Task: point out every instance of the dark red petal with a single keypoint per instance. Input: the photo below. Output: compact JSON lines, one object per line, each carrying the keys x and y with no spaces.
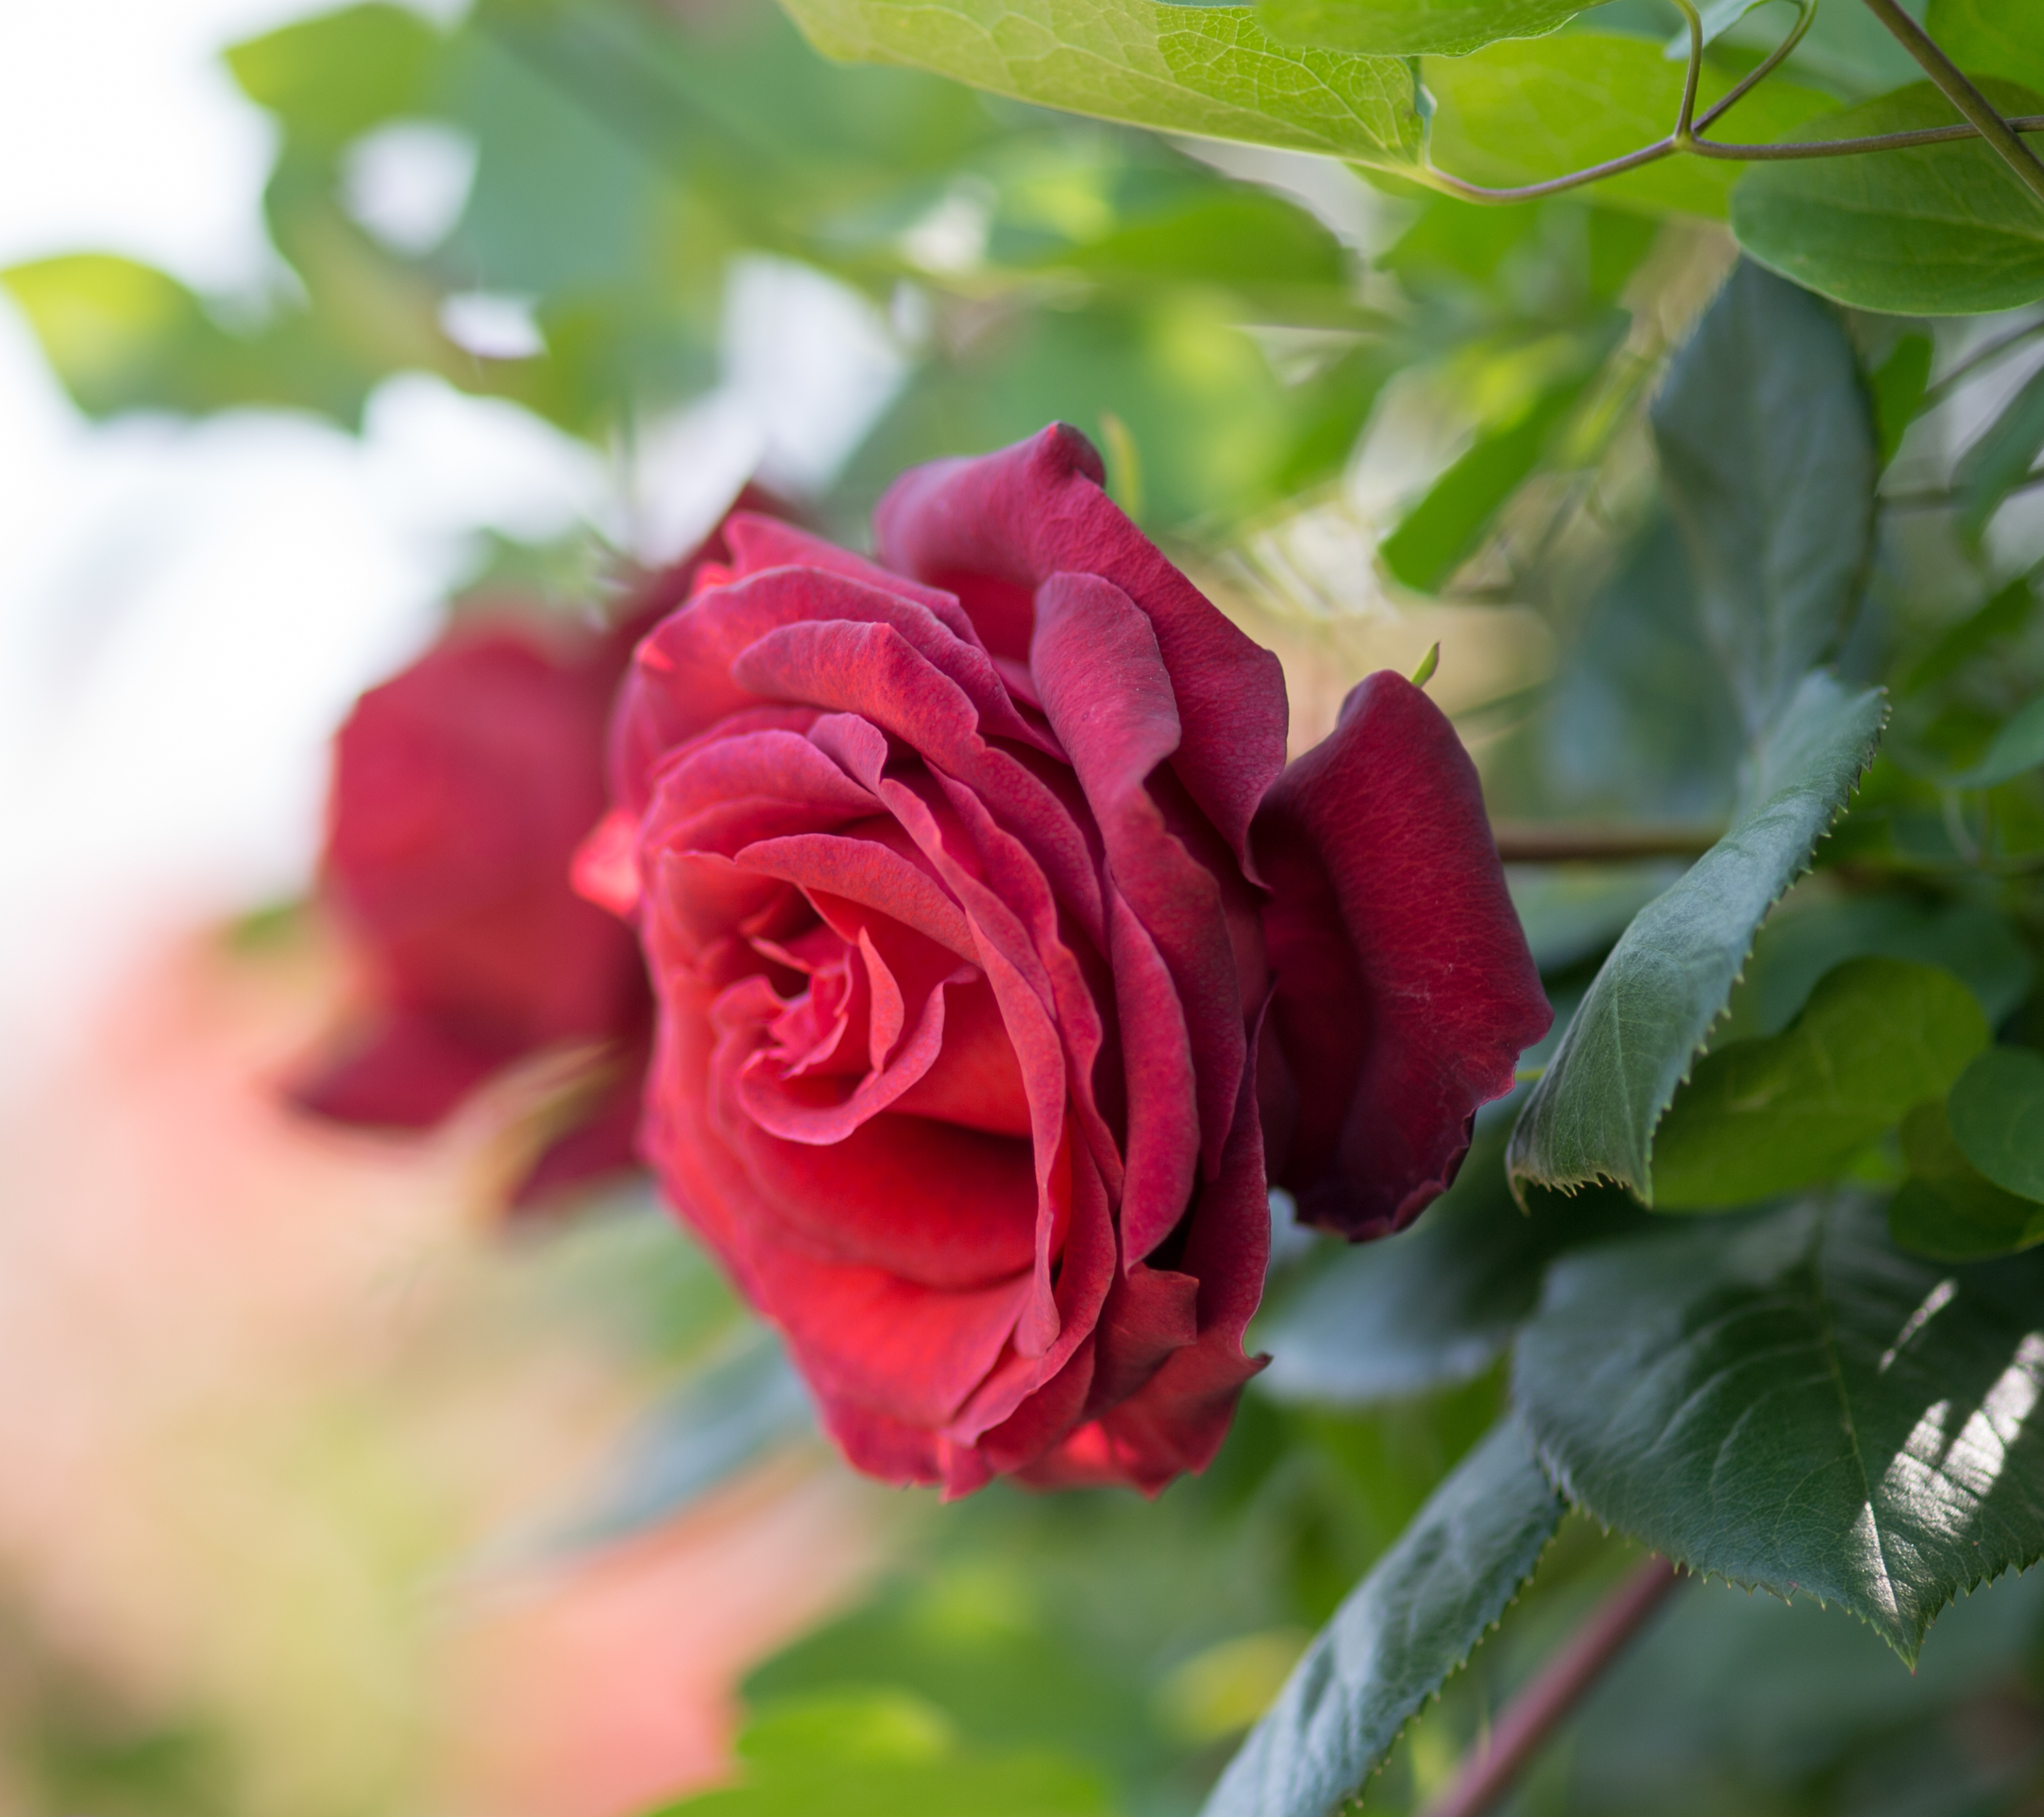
{"x":994,"y":528}
{"x":1404,"y":991}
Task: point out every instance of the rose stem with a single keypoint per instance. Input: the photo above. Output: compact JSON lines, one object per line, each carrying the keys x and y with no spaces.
{"x":1532,"y":1717}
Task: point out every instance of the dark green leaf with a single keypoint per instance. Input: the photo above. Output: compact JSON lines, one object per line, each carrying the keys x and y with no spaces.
{"x":1997,"y":1116}
{"x":1768,"y":458}
{"x":1594,"y":1113}
{"x":1999,"y":458}
{"x":1211,"y":69}
{"x":1937,"y":230}
{"x":1434,"y":1304}
{"x":2018,"y":747}
{"x":2004,"y":614}
{"x":1991,"y":37}
{"x":1523,"y":113}
{"x":1947,"y":1208}
{"x":1405,"y":27}
{"x":1899,"y":383}
{"x":1767,"y":1116}
{"x":333,"y":78}
{"x":1402,"y":1631}
{"x":1790,"y":1403}
{"x":1805,"y":940}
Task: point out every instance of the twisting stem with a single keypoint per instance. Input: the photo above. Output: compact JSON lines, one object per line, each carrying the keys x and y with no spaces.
{"x":1976,"y":106}
{"x":1538,"y":1711}
{"x":1805,"y":10}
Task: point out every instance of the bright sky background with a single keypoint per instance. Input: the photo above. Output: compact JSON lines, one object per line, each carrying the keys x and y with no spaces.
{"x":187,"y":609}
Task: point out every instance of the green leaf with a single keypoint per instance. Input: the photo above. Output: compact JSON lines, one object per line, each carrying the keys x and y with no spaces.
{"x":1790,"y":1404}
{"x":1947,"y":1209}
{"x":1991,"y":37}
{"x":1522,"y":113}
{"x":1999,"y":459}
{"x":1435,"y":1304}
{"x":1443,"y":529}
{"x":1899,"y":384}
{"x":1592,"y":1115}
{"x":1997,"y":1116}
{"x":2004,"y":614}
{"x":1210,"y":70}
{"x":1768,"y":458}
{"x":1763,"y":1117}
{"x":1405,"y":27}
{"x":1936,"y":230}
{"x":333,"y":78}
{"x":1804,"y":941}
{"x":2018,"y":747}
{"x":1402,"y":1632}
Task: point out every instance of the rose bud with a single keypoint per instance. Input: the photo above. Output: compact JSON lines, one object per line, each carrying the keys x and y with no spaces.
{"x":461,"y":789}
{"x":969,"y":901}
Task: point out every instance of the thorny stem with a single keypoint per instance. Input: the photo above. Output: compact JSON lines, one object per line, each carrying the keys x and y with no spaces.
{"x":1689,"y":126}
{"x":1538,"y":1711}
{"x":2007,"y":144}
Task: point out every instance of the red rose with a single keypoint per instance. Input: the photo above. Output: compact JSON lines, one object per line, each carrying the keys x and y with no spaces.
{"x":461,"y":789}
{"x":950,"y":893}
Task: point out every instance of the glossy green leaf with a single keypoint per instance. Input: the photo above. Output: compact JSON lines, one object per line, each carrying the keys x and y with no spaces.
{"x":1790,"y":1403}
{"x":1997,"y":1117}
{"x":1435,"y":1304}
{"x":334,"y":77}
{"x":1768,"y":458}
{"x":1805,"y":940}
{"x":1947,"y":1209}
{"x":2018,"y":747}
{"x":1898,"y":383}
{"x":1405,"y":27}
{"x":1936,"y":230}
{"x":1999,"y":458}
{"x":1402,"y":1631}
{"x":1522,"y":113}
{"x":1592,"y":1115}
{"x":1764,"y":1117}
{"x":1211,"y":69}
{"x":1991,"y":37}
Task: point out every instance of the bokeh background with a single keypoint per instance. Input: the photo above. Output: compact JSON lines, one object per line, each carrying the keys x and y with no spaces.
{"x":324,"y":1487}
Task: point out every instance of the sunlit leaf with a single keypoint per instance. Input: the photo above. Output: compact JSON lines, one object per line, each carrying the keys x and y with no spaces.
{"x":1402,"y":28}
{"x":1402,"y":1631}
{"x":1767,"y":1116}
{"x":1997,"y":1118}
{"x":1935,"y":230}
{"x":333,"y":77}
{"x":1947,"y":1209}
{"x":1790,"y":1403}
{"x":1991,"y":37}
{"x":1593,"y":1114}
{"x":1767,"y":456}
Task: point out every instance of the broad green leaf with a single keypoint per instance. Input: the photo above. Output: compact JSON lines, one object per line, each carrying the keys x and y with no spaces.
{"x":1768,"y":460}
{"x":1998,"y":459}
{"x":2018,"y":747}
{"x":1937,"y":230}
{"x":1405,"y":28}
{"x":1443,"y":529}
{"x":1402,"y":1631}
{"x":1435,"y":1304}
{"x":333,"y":78}
{"x":1768,"y":1117}
{"x":1997,"y":1117}
{"x":1991,"y":37}
{"x":1522,"y":113}
{"x":1803,"y":941}
{"x":1592,"y":1115}
{"x":2002,"y":615}
{"x":1898,"y":383}
{"x":1791,"y":1404}
{"x":1209,"y":70}
{"x":1949,"y":1210}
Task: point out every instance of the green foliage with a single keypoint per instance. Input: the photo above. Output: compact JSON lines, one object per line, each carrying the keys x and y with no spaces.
{"x":1405,"y":27}
{"x":1999,"y":460}
{"x":1593,"y":1114}
{"x":2002,"y":615}
{"x":2018,"y":746}
{"x":335,"y":76}
{"x":1947,"y":1209}
{"x":1934,"y":230}
{"x":1766,"y":1116}
{"x":1409,"y":1625}
{"x":1767,"y":454}
{"x":1990,"y":37}
{"x":1997,"y":1118}
{"x":1789,"y":1403}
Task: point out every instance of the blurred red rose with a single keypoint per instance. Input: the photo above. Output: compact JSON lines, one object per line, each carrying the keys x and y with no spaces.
{"x":947,"y":878}
{"x":462,"y":788}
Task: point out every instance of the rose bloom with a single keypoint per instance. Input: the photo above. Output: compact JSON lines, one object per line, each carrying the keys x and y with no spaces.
{"x":461,"y":789}
{"x":1001,"y":964}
